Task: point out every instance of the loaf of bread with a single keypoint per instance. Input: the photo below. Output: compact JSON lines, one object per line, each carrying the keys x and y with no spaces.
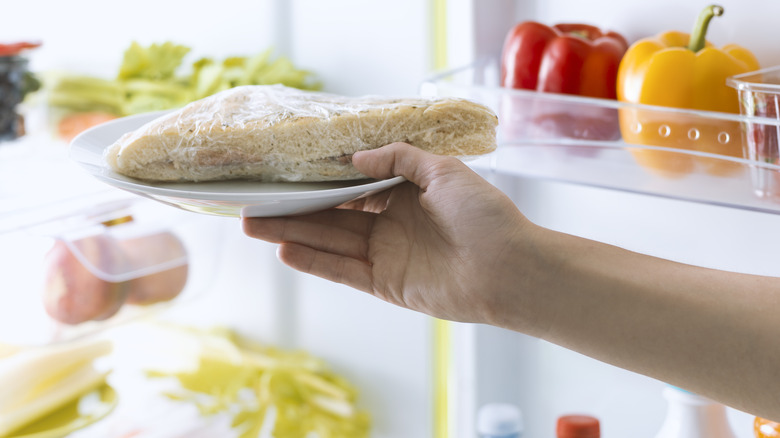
{"x":276,"y":133}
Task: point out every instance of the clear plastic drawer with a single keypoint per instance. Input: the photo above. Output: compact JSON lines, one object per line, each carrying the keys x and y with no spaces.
{"x":708,"y":157}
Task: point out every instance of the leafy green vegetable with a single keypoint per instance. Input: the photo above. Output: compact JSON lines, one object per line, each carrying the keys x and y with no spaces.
{"x":148,"y":80}
{"x":156,"y":62}
{"x":206,"y":77}
{"x":85,"y":93}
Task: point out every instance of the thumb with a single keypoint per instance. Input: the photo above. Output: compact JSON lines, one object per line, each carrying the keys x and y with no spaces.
{"x":397,"y":159}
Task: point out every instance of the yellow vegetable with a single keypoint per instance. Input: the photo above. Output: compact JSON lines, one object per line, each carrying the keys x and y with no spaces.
{"x":678,"y":70}
{"x":37,"y":381}
{"x":292,"y":392}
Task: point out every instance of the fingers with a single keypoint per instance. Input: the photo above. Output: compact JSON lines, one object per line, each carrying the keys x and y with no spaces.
{"x":399,"y":159}
{"x":343,"y":232}
{"x":352,"y":272}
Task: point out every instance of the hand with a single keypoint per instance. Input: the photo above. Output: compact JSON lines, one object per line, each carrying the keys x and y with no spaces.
{"x":439,"y":243}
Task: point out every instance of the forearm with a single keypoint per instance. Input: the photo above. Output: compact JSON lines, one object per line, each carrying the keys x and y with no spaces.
{"x":712,"y":332}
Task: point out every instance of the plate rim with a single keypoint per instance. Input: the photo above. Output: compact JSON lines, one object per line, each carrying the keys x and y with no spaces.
{"x":206,"y":195}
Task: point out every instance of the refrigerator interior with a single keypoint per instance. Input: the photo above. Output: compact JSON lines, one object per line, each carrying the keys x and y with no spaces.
{"x":384,"y":351}
{"x":545,"y":380}
{"x":372,"y":47}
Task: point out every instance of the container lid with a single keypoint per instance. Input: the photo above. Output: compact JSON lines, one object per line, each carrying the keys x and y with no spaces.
{"x":578,"y":426}
{"x":499,"y":419}
{"x":766,"y":80}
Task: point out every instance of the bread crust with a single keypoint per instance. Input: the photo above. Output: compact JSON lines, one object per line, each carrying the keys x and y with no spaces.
{"x":276,"y":133}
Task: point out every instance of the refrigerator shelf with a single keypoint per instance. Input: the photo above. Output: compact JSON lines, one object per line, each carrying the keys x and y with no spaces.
{"x":706,"y":157}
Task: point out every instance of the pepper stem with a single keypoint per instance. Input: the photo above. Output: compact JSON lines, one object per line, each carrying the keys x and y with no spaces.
{"x":699,"y":34}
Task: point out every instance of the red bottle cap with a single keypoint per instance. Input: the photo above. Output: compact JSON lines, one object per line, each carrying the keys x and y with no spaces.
{"x":578,"y":426}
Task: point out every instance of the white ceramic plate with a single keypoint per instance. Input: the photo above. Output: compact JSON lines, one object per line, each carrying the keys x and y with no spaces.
{"x":223,"y":198}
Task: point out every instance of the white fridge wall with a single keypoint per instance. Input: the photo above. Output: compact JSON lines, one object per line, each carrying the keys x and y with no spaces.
{"x":90,"y":36}
{"x":364,"y":47}
{"x":746,"y":22}
{"x":357,"y":47}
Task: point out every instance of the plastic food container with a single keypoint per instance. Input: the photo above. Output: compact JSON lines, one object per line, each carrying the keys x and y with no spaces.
{"x":78,"y":256}
{"x":759,"y":98}
{"x":697,"y":156}
{"x":98,"y":266}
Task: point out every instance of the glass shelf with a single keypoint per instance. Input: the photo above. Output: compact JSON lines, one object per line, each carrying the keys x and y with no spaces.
{"x":698,"y":156}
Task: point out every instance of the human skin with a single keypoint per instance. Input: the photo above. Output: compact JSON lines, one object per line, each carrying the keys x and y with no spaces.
{"x":449,"y":244}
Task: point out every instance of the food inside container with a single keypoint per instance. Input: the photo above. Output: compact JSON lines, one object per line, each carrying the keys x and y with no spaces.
{"x":678,"y":153}
{"x":563,"y":59}
{"x":711,"y":137}
{"x":759,"y":94}
{"x":54,"y":390}
{"x":79,"y":273}
{"x":544,"y":116}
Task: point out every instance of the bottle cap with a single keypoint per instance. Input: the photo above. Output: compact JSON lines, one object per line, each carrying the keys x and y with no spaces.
{"x":578,"y":426}
{"x":499,"y":419}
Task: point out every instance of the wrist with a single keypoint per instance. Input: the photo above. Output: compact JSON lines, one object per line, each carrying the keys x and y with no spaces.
{"x":523,"y":284}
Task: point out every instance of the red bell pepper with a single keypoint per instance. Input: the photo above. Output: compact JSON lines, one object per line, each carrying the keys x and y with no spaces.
{"x":566,"y":58}
{"x":577,"y":59}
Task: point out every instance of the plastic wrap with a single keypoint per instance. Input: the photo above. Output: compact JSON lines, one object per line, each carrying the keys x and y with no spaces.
{"x":276,"y":133}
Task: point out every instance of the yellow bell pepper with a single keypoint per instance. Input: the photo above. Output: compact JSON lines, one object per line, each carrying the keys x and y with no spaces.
{"x":678,"y":70}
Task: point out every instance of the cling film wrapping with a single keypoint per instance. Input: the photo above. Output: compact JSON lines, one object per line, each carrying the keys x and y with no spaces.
{"x":277,"y":133}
